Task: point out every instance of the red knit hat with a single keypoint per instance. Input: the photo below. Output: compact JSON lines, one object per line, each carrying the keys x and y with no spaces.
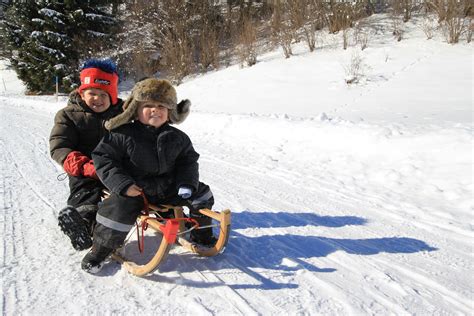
{"x":96,"y":78}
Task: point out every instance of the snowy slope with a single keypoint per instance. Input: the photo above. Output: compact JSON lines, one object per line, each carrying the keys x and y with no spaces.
{"x":346,"y":199}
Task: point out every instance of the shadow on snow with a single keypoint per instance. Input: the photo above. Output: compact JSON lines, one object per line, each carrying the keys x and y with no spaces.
{"x":285,"y":253}
{"x":286,"y":219}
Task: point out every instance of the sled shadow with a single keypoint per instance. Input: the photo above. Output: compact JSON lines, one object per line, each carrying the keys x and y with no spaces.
{"x":285,"y":253}
{"x":286,"y":219}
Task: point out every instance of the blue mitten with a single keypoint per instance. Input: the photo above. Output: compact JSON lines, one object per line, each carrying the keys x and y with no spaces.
{"x":185,"y":192}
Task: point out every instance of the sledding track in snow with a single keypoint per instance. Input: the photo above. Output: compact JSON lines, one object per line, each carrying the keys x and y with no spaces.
{"x":308,"y":237}
{"x":28,"y":214}
{"x":383,"y":277}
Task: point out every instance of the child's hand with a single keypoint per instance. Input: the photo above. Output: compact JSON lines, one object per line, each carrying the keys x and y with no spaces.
{"x":133,"y":190}
{"x":185,"y":192}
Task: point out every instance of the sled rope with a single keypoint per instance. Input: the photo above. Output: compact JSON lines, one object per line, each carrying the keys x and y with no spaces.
{"x":144,"y":225}
{"x":61,"y":176}
{"x":146,"y":205}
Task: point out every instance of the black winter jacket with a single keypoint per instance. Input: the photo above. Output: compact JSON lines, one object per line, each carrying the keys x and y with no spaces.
{"x":78,"y":128}
{"x":159,"y":160}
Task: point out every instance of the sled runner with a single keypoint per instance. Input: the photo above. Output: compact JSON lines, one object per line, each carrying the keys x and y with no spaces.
{"x":173,"y":231}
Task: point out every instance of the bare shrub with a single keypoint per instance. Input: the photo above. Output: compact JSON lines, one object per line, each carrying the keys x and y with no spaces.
{"x":309,"y":35}
{"x":437,"y":6}
{"x":205,"y":26}
{"x":283,"y":33}
{"x":357,"y":32}
{"x":208,"y":49}
{"x":140,"y":40}
{"x":296,"y":15}
{"x":178,"y":55}
{"x":343,"y":14}
{"x":339,"y":16}
{"x":177,"y":42}
{"x":276,"y":22}
{"x":469,"y":31}
{"x":286,"y":37}
{"x":231,"y":32}
{"x":397,"y":27}
{"x":446,"y":9}
{"x":453,"y":27}
{"x":454,"y":17}
{"x":356,"y":68}
{"x":428,"y":26}
{"x":362,"y":36}
{"x":313,"y":21}
{"x":247,"y":48}
{"x":345,"y":38}
{"x":144,"y":64}
{"x":404,"y":8}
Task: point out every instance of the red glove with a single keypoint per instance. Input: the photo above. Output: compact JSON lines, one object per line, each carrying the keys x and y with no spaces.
{"x":88,"y":170}
{"x":77,"y":164}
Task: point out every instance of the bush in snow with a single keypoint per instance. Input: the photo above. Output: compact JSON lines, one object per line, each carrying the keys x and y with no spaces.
{"x":247,"y":49}
{"x":428,"y":26}
{"x":454,"y":16}
{"x":355,"y":69}
{"x":397,"y":27}
{"x":453,"y":27}
{"x":283,"y":33}
{"x":405,"y":8}
{"x":469,"y":31}
{"x":362,"y":35}
{"x":313,"y":21}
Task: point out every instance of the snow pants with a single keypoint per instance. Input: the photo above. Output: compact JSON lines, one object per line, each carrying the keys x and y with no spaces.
{"x":117,"y":214}
{"x":85,"y":194}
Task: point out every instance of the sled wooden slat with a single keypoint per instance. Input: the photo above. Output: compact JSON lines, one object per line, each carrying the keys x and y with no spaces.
{"x":141,"y":270}
{"x":224,"y":224}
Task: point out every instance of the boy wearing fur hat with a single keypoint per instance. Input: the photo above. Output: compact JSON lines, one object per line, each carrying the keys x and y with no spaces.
{"x":144,"y":154}
{"x":77,"y":130}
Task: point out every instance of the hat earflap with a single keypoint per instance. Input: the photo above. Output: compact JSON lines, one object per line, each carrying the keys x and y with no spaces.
{"x":128,"y":114}
{"x":181,"y":112}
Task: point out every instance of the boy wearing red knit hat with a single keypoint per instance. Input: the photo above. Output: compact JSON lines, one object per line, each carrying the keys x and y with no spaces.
{"x":77,"y":130}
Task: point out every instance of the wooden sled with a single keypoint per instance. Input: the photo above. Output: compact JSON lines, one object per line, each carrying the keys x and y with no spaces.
{"x":173,"y":231}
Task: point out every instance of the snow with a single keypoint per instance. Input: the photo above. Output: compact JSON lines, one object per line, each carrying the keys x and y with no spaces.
{"x":39,"y":21}
{"x":101,"y":17}
{"x":51,"y":51}
{"x":346,"y":199}
{"x":50,"y":12}
{"x":53,"y":14}
{"x":10,"y":84}
{"x":97,"y":34}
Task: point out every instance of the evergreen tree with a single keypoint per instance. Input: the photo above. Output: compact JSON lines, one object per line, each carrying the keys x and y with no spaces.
{"x":49,"y":38}
{"x":4,"y":52}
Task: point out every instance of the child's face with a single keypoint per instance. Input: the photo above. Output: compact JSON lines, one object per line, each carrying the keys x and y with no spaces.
{"x":96,"y":99}
{"x":152,"y":113}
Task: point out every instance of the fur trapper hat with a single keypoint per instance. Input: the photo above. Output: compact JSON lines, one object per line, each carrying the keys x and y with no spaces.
{"x":151,"y":89}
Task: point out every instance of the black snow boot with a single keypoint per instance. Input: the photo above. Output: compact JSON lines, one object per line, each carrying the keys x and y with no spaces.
{"x":94,"y":260}
{"x":167,"y":214}
{"x":88,"y":214}
{"x":75,"y":227}
{"x":203,"y":236}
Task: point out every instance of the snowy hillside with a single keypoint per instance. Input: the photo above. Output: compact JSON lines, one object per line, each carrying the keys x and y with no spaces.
{"x":346,"y":200}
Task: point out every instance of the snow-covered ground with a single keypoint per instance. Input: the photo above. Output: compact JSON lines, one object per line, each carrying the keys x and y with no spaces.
{"x":345,"y":199}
